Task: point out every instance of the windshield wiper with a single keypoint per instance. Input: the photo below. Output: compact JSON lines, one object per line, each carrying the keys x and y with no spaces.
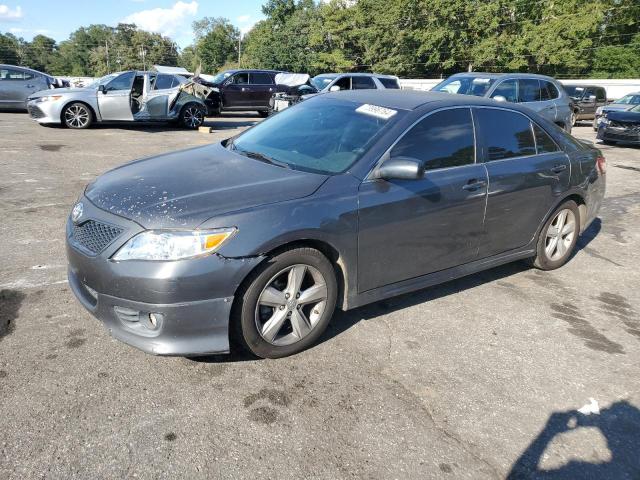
{"x":262,"y":157}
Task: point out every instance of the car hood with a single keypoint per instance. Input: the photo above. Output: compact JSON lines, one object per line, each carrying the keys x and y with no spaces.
{"x":59,"y":91}
{"x":629,"y":117}
{"x":183,"y":189}
{"x":614,"y":107}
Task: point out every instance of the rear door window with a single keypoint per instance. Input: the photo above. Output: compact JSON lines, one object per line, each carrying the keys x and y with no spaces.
{"x":362,"y":83}
{"x":389,"y":82}
{"x":508,"y":89}
{"x":505,"y":134}
{"x":443,"y":139}
{"x":529,"y":90}
{"x":548,"y":90}
{"x":261,"y":78}
{"x":11,"y":74}
{"x":164,"y":82}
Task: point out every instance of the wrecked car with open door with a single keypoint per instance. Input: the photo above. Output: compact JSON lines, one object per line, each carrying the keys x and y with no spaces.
{"x":290,"y":89}
{"x":131,"y":96}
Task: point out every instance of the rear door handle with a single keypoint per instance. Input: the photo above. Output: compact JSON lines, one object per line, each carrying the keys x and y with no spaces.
{"x":474,"y":184}
{"x":559,"y":168}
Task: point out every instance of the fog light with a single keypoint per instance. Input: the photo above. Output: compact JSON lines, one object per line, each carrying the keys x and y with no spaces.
{"x":153,"y":320}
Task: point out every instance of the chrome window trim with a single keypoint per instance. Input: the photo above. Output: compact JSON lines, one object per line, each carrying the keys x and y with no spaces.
{"x":386,"y":155}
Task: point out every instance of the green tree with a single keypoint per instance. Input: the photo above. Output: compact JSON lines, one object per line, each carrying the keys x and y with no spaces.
{"x":216,"y":43}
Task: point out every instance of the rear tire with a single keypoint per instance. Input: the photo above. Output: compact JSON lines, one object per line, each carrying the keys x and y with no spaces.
{"x":574,"y":119}
{"x":192,"y":116}
{"x":77,"y":116}
{"x":286,"y":303}
{"x":558,"y":237}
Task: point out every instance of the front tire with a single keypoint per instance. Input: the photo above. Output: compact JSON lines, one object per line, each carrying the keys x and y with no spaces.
{"x":574,"y":119}
{"x":192,"y":116}
{"x":77,"y":115}
{"x":263,"y":113}
{"x":558,"y":237}
{"x":286,"y":304}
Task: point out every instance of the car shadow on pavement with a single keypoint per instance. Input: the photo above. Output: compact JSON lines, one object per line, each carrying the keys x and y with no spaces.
{"x":619,"y":424}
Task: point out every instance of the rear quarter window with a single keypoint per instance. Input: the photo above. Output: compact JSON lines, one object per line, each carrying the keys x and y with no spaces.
{"x":389,"y":82}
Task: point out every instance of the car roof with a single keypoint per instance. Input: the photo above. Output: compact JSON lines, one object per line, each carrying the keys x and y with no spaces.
{"x":239,"y":70}
{"x":581,"y":85}
{"x":356,"y":74}
{"x":502,"y":75}
{"x":412,"y":99}
{"x":25,"y":68}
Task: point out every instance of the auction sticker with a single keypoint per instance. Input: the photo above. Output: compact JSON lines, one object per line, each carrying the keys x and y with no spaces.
{"x":376,"y":111}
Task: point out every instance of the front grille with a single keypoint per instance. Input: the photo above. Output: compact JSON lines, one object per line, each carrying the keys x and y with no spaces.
{"x":35,"y":112}
{"x":95,"y":236}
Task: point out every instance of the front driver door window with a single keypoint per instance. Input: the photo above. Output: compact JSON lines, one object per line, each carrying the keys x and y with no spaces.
{"x":114,"y":102}
{"x":410,"y":228}
{"x":507,"y":89}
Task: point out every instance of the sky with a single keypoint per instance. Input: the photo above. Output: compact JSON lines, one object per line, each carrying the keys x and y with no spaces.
{"x":173,"y":18}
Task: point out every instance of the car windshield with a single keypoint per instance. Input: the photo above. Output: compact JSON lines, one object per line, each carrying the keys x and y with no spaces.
{"x":103,"y":80}
{"x":574,"y":91}
{"x":319,"y":135}
{"x":221,"y":77}
{"x":631,"y":99}
{"x":321,"y":81}
{"x":466,"y":85}
{"x":635,"y":109}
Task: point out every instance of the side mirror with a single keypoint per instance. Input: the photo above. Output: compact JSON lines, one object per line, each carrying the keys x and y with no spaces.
{"x":102,"y":88}
{"x":500,"y":98}
{"x":592,"y":98}
{"x":404,"y":168}
{"x":334,"y":88}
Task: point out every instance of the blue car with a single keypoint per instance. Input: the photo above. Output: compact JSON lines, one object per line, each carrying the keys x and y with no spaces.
{"x":339,"y":201}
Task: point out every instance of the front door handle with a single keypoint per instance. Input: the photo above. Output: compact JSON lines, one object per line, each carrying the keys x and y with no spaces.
{"x":30,"y":86}
{"x":559,"y":168}
{"x":474,"y":184}
{"x":243,"y":89}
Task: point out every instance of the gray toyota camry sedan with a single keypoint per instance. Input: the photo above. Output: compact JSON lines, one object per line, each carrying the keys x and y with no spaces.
{"x":342,"y":200}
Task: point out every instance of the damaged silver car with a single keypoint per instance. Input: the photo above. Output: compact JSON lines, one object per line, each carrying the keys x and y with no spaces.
{"x":131,"y":96}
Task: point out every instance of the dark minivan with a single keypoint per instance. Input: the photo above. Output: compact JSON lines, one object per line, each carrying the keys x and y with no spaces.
{"x":341,"y":200}
{"x":241,"y":91}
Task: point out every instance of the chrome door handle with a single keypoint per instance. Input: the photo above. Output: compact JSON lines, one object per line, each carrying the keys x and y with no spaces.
{"x":243,"y":89}
{"x":29,"y":86}
{"x":559,"y":168}
{"x":474,"y":185}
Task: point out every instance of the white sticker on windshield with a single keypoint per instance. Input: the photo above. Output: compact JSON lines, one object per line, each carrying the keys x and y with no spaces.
{"x":376,"y":111}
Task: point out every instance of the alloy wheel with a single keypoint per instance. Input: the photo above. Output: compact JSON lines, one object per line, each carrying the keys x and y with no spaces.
{"x":291,"y":305}
{"x":193,"y":117}
{"x":77,"y":116}
{"x":560,"y":234}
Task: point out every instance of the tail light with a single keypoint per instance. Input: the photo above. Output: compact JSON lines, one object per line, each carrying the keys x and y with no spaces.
{"x":601,"y":163}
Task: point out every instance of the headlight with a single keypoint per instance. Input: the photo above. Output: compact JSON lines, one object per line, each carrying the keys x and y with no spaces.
{"x":215,"y":89}
{"x":599,"y":111}
{"x":173,"y":245}
{"x":48,"y":98}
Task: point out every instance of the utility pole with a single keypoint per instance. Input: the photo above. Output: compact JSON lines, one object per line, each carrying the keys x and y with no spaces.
{"x":143,"y":54}
{"x":239,"y":48}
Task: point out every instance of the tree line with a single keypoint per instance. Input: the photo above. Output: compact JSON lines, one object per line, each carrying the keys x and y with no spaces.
{"x":408,"y":38}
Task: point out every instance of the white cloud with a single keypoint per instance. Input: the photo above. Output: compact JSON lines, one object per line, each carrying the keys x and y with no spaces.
{"x":244,"y":18}
{"x":167,"y":21}
{"x":15,"y":31}
{"x":7,"y":13}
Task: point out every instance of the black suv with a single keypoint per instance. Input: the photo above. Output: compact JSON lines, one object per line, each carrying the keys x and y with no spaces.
{"x":241,"y":90}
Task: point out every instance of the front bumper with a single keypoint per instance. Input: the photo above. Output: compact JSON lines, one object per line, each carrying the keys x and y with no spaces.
{"x":620,"y":135}
{"x":190,"y":299}
{"x":45,"y":112}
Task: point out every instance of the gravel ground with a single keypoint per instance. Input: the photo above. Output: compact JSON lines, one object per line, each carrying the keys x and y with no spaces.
{"x":477,"y":378}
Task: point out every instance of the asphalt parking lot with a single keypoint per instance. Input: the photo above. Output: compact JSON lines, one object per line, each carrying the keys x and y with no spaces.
{"x":477,"y":378}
